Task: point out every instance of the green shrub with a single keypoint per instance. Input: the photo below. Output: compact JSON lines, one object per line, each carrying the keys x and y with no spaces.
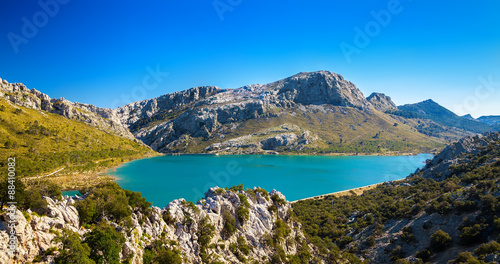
{"x":137,"y":202}
{"x":263,"y":192}
{"x":496,"y":223}
{"x":107,"y":199}
{"x":205,"y":234}
{"x":472,"y":234}
{"x":425,"y":255}
{"x":343,"y":241}
{"x":277,"y":200}
{"x":167,"y":217}
{"x":243,"y":246}
{"x":402,"y":261}
{"x":243,"y":200}
{"x":487,"y":248}
{"x":105,"y":243}
{"x":229,"y":224}
{"x":281,"y":230}
{"x":407,"y":234}
{"x":465,"y":258}
{"x":220,"y":191}
{"x":397,"y":253}
{"x":440,"y":240}
{"x":272,"y":208}
{"x":243,"y":214}
{"x":370,"y":241}
{"x":156,"y":253}
{"x":73,"y":250}
{"x":237,"y":188}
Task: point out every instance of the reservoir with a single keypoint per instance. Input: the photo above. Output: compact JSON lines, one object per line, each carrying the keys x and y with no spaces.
{"x":165,"y":178}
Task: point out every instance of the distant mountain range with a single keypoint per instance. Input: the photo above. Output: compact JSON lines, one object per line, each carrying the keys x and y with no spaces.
{"x":314,"y":112}
{"x":490,"y":120}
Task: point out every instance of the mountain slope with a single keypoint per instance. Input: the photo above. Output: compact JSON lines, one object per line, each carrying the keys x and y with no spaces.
{"x":438,"y":121}
{"x":44,"y":142}
{"x":101,"y":118}
{"x":317,"y":112}
{"x":446,"y":211}
{"x":490,"y":120}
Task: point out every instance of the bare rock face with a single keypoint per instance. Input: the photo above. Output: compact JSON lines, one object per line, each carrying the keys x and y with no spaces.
{"x":36,"y":234}
{"x":168,"y":123}
{"x":278,"y":141}
{"x":198,"y":122}
{"x":439,"y":167}
{"x":381,"y":102}
{"x":318,"y":88}
{"x":133,"y":112}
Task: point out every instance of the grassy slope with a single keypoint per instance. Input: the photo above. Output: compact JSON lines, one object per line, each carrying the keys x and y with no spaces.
{"x":44,"y":142}
{"x":360,"y":132}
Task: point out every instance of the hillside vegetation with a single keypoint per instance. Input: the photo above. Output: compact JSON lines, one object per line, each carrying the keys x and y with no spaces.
{"x":326,"y":128}
{"x":44,"y":142}
{"x":417,"y":219}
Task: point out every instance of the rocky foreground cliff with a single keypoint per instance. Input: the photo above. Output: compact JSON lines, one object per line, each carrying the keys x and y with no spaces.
{"x":225,"y":227}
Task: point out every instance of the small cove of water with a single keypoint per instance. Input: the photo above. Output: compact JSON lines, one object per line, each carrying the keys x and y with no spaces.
{"x":165,"y":178}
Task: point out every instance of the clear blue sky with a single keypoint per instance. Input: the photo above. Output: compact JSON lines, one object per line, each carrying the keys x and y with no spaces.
{"x":97,"y":51}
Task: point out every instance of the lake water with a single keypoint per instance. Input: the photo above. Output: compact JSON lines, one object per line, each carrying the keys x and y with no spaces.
{"x":165,"y":178}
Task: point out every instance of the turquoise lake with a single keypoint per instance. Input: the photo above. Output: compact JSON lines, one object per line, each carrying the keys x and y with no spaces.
{"x":165,"y":178}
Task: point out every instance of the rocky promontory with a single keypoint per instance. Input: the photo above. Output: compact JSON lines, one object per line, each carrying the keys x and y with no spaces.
{"x":234,"y":220}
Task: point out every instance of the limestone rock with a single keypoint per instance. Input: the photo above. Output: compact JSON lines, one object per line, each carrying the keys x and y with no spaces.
{"x":37,"y":233}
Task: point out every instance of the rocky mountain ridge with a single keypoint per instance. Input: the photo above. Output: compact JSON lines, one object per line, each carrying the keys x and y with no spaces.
{"x":325,"y":112}
{"x":490,"y":120}
{"x":101,"y":118}
{"x":212,"y":120}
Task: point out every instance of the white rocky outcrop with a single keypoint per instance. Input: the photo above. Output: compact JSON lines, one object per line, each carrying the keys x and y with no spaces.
{"x":36,"y":234}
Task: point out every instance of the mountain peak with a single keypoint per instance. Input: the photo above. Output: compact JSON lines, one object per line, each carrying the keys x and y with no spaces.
{"x":468,"y":116}
{"x":429,"y":101}
{"x":320,"y":87}
{"x":320,"y":74}
{"x":381,"y":102}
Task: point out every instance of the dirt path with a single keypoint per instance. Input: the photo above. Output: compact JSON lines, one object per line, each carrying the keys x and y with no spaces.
{"x":357,"y":191}
{"x":43,"y":176}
